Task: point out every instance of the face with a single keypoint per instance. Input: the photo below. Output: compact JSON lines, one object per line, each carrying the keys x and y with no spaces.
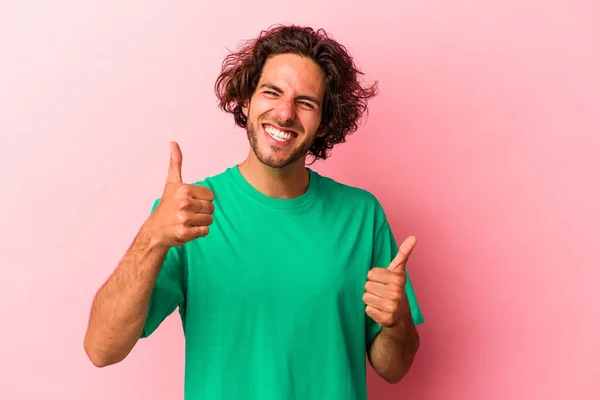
{"x":284,"y":112}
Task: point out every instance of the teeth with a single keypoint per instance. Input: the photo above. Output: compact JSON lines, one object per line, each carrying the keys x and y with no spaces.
{"x":277,"y":134}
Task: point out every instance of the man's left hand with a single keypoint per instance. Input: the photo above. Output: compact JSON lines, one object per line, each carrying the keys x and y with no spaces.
{"x":385,"y":295}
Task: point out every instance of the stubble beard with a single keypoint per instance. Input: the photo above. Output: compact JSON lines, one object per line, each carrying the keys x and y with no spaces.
{"x":298,"y":154}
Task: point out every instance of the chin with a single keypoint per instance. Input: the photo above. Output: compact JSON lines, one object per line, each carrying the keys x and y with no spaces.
{"x":276,"y":162}
{"x":273,"y":156}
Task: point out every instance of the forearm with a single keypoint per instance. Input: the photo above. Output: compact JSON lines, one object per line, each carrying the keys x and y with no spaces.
{"x":120,"y":307}
{"x":394,"y":349}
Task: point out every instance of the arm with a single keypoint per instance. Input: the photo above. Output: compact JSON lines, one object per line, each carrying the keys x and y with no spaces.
{"x":120,"y":307}
{"x":392,"y":353}
{"x":393,"y":350}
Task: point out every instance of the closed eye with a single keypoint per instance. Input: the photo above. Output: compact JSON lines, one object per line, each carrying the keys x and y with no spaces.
{"x":303,"y":104}
{"x":307,"y":105}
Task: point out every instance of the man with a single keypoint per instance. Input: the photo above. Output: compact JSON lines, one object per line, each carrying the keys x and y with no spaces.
{"x":298,"y":275}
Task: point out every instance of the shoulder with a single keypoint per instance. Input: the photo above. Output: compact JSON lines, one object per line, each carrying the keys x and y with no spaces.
{"x":351,"y":195}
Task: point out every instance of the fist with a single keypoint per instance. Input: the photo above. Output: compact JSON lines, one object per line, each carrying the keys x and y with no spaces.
{"x":184,"y":212}
{"x":385,"y":295}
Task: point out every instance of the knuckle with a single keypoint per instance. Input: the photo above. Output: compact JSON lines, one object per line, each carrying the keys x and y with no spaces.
{"x":181,"y":232}
{"x":390,"y":307}
{"x":396,"y":295}
{"x":181,"y":218}
{"x":183,"y":191}
{"x":397,"y":285}
{"x":183,"y":204}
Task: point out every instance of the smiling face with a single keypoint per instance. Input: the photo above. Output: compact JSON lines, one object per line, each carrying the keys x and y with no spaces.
{"x":284,"y":112}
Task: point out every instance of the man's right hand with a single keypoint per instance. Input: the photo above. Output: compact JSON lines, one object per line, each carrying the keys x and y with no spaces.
{"x":184,"y":212}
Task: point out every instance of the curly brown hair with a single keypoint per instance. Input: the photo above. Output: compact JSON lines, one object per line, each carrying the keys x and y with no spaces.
{"x":345,"y":99}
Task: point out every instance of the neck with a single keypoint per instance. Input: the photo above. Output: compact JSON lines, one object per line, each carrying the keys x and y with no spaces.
{"x":283,"y":183}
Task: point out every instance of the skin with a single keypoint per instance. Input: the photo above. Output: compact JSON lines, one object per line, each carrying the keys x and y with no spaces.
{"x":289,"y":96}
{"x":120,"y":307}
{"x":286,"y":83}
{"x":393,"y":350}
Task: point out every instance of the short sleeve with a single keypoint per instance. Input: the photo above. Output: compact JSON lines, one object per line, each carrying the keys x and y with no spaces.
{"x":168,"y":291}
{"x":384,"y":250}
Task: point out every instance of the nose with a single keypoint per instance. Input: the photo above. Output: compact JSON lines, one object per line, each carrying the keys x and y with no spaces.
{"x":286,"y":111}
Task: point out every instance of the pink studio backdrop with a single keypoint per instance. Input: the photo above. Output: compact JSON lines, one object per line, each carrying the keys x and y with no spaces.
{"x":483,"y":143}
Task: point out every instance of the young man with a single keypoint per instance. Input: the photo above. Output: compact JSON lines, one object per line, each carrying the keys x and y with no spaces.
{"x":298,"y":275}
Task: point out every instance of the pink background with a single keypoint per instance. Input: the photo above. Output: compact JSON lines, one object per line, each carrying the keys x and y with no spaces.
{"x":483,"y":143}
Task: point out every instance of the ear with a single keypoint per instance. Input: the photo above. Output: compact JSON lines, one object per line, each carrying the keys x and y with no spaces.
{"x":245,"y":107}
{"x":321,"y":130}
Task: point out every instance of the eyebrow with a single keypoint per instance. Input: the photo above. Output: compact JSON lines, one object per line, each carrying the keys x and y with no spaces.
{"x":300,"y":97}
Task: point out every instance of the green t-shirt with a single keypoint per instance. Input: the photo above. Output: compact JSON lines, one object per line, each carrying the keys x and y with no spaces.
{"x":271,"y":300}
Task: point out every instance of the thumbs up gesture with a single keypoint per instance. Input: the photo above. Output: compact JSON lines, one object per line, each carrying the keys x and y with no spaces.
{"x":184,"y":211}
{"x":385,"y":295}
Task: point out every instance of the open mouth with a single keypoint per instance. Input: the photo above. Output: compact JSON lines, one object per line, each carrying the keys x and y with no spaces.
{"x":279,"y":135}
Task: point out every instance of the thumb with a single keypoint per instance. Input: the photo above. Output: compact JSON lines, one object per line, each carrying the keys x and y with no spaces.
{"x":175,"y":164}
{"x":399,"y":262}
